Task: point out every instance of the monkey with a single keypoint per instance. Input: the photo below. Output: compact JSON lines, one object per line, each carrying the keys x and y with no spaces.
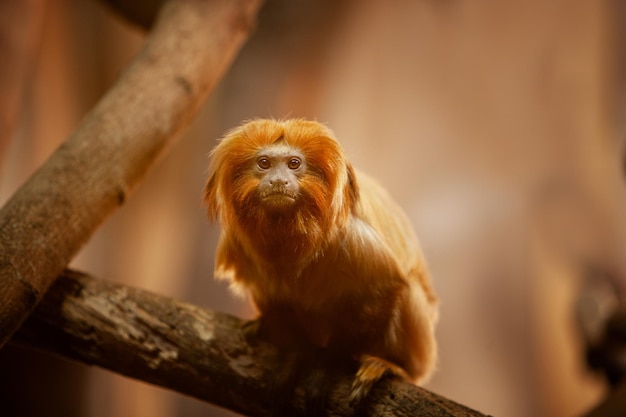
{"x":327,"y":257}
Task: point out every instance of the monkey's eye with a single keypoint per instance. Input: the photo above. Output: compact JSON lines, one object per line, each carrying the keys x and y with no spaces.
{"x":263,"y":162}
{"x":294,"y":163}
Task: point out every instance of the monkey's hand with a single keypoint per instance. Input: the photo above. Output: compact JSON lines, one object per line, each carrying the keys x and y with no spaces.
{"x":371,"y":370}
{"x":276,"y":327}
{"x":251,"y":329}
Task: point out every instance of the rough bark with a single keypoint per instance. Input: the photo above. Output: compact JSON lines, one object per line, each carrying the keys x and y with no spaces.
{"x":48,"y":219}
{"x":191,"y":350}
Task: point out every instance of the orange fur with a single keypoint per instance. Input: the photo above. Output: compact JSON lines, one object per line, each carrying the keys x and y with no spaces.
{"x":339,"y":267}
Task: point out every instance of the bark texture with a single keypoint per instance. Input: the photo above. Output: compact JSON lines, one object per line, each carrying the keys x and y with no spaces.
{"x":49,"y":219}
{"x":191,"y":350}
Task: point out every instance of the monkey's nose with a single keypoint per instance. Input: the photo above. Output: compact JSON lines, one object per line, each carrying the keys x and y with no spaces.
{"x":279,"y":181}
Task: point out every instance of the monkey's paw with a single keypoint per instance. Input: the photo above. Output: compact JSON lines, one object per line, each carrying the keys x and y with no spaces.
{"x":251,"y":329}
{"x":371,"y":371}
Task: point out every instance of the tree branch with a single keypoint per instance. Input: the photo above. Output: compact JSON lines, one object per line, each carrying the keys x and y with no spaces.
{"x":194,"y":351}
{"x":49,"y":218}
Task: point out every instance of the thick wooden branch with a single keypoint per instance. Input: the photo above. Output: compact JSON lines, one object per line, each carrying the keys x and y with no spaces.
{"x":49,"y":218}
{"x":194,"y":351}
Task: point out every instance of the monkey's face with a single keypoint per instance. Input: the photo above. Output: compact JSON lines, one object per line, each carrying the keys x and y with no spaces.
{"x":279,"y":170}
{"x":291,"y":171}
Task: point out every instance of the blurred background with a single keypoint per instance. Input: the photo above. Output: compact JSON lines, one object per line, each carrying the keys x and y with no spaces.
{"x":497,"y":125}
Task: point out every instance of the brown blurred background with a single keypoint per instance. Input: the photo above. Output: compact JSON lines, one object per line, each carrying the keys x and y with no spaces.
{"x":497,"y":125}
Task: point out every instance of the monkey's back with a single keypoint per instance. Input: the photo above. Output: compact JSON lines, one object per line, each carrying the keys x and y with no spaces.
{"x":383,"y":214}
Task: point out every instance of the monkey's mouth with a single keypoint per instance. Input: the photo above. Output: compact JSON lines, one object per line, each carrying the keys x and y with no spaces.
{"x":278,"y":197}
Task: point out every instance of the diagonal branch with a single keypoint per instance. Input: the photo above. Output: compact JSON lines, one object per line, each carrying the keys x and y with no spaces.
{"x":196,"y":352}
{"x":50,"y":217}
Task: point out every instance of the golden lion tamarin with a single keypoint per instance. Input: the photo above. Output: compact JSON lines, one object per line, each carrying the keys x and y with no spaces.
{"x":326,"y":255}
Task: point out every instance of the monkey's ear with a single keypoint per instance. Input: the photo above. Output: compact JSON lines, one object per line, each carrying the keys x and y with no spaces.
{"x":352,"y":187}
{"x":210,"y":197}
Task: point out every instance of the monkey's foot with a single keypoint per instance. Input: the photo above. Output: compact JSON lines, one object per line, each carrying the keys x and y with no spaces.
{"x":371,"y":371}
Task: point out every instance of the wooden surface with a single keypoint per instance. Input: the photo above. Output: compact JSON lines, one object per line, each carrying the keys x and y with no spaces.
{"x":53,"y":215}
{"x":191,"y":350}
